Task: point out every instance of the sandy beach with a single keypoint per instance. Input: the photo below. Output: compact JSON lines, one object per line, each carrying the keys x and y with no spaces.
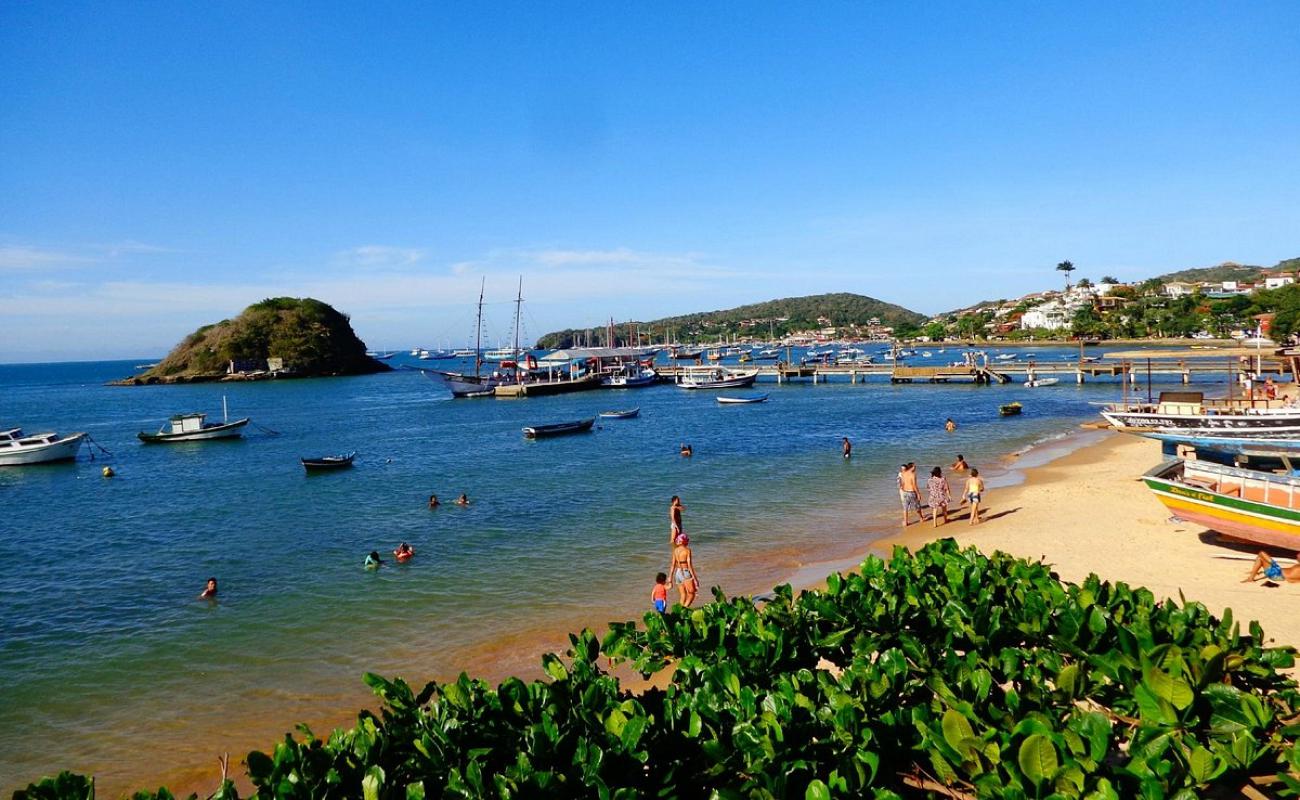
{"x":1090,"y":512}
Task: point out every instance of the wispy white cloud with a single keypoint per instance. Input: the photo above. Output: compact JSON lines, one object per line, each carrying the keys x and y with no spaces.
{"x":373,"y":256}
{"x":28,"y":257}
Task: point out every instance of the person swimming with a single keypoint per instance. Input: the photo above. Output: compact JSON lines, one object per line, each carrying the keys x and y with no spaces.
{"x":210,"y":591}
{"x":463,"y":500}
{"x":404,"y":552}
{"x":433,"y":501}
{"x":949,"y":425}
{"x":687,"y":452}
{"x":373,"y":561}
{"x":959,"y":465}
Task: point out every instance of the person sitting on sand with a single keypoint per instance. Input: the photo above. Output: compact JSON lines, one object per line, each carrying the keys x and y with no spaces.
{"x":686,"y":451}
{"x":404,"y":551}
{"x":959,"y":465}
{"x":659,"y":594}
{"x":210,"y":591}
{"x":683,"y":572}
{"x":908,"y":493}
{"x":373,"y":561}
{"x":433,"y":501}
{"x":949,"y":425}
{"x":463,"y":500}
{"x":1273,"y":571}
{"x":940,"y":496}
{"x":847,"y":447}
{"x":974,"y":492}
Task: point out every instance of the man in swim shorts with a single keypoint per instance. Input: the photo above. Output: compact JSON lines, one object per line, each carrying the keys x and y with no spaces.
{"x":909,"y":494}
{"x":1273,"y":571}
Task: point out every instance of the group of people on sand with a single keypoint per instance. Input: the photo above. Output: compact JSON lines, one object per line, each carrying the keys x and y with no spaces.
{"x":940,"y":493}
{"x":434,"y":502}
{"x":681,"y":566}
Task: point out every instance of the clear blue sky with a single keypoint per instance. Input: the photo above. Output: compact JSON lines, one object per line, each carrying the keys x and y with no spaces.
{"x":162,"y":165}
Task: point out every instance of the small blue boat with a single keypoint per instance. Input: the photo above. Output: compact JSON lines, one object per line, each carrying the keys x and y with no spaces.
{"x":1228,"y":444}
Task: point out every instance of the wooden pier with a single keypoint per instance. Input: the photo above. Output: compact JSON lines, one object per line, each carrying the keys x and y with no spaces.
{"x":1003,"y":372}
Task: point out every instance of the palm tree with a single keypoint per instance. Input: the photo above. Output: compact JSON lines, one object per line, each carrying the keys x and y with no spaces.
{"x":1067,"y":268}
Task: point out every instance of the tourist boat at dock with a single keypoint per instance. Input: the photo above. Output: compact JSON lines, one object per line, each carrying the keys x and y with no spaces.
{"x":1245,"y":504}
{"x":715,"y":378}
{"x":327,"y":463}
{"x":1190,"y":412}
{"x":558,"y":428}
{"x":18,"y":449}
{"x":192,"y":428}
{"x":630,"y":376}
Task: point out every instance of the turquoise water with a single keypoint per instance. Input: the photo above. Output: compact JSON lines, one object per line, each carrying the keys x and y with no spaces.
{"x":109,"y":664}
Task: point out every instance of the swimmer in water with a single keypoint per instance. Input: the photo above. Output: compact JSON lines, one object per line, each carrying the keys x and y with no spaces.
{"x":210,"y":591}
{"x":404,"y":551}
{"x":463,"y":500}
{"x":373,"y":561}
{"x":433,"y":501}
{"x":686,"y":451}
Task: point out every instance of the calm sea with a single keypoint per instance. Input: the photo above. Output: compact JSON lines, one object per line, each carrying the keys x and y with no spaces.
{"x":109,"y":664}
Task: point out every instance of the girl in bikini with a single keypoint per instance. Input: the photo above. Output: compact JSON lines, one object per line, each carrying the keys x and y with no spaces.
{"x":682,"y":571}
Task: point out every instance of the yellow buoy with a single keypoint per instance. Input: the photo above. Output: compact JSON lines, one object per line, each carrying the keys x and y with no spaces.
{"x":108,"y":472}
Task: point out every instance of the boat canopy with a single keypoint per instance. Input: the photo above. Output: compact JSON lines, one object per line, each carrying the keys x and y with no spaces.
{"x":585,"y":353}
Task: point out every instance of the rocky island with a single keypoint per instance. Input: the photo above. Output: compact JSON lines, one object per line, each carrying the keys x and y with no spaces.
{"x":278,"y":337}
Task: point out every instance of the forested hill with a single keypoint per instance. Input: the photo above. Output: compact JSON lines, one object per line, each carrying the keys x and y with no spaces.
{"x":777,"y":317}
{"x":1227,"y":271}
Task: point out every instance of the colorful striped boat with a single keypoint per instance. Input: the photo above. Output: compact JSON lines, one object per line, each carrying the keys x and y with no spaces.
{"x":1245,"y":504}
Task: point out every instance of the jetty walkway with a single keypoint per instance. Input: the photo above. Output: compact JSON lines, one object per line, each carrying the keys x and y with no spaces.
{"x":999,"y":372}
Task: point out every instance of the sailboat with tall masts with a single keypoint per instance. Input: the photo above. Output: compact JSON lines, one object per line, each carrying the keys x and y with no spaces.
{"x":477,"y":385}
{"x":534,"y":380}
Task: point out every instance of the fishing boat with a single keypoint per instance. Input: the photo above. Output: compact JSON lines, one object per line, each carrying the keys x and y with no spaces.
{"x":1010,"y":409}
{"x":558,"y":428}
{"x":18,"y":449}
{"x":1228,"y":443}
{"x":758,"y":398}
{"x":1245,"y":504}
{"x":326,"y":463}
{"x":715,"y":378}
{"x":1036,"y":382}
{"x":628,"y":414}
{"x":685,"y":354}
{"x":1192,"y":412}
{"x":193,"y":428}
{"x":630,"y":376}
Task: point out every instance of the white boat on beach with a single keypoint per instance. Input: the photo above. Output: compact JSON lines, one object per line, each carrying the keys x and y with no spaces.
{"x":17,"y":449}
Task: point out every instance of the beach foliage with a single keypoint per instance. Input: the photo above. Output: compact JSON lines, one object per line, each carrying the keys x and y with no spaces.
{"x":942,"y":672}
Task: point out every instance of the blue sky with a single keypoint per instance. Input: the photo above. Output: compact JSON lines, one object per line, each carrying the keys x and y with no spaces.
{"x":163,"y":165}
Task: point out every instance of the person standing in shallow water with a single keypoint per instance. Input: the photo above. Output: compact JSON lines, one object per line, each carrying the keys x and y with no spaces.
{"x":682,"y":571}
{"x":940,"y":496}
{"x":675,"y":509}
{"x":847,"y":447}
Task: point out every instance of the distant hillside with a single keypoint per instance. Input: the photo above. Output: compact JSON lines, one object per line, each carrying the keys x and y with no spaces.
{"x":778,"y":317}
{"x":1227,"y":271}
{"x":308,"y":337}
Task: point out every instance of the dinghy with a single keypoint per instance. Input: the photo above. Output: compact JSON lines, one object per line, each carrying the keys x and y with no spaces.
{"x":628,"y":414}
{"x":758,"y":398}
{"x":558,"y":428}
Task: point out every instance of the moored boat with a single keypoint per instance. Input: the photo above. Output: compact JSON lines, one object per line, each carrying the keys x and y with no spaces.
{"x":1192,"y":412}
{"x":558,"y":428}
{"x":324,"y":463}
{"x":18,"y":449}
{"x":628,"y":414}
{"x":757,"y":398}
{"x":1042,"y":382}
{"x":193,"y":428}
{"x":715,"y":378}
{"x":1010,"y":409}
{"x":1245,"y":504}
{"x":630,"y":376}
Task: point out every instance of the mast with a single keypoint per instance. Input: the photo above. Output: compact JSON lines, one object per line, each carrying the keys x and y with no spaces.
{"x":478,"y":330}
{"x":519,"y":378}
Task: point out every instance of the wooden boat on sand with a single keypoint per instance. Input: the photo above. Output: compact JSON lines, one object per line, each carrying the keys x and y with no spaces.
{"x":558,"y":428}
{"x":1245,"y":504}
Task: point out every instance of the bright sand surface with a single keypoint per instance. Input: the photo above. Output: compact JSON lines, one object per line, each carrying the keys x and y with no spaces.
{"x":1089,"y":511}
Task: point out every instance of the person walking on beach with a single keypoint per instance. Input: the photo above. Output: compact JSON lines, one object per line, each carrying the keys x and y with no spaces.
{"x":847,"y":447}
{"x":659,"y":594}
{"x":675,"y":509}
{"x":940,"y":496}
{"x":1273,"y":571}
{"x":974,"y":492}
{"x":682,"y":571}
{"x":908,"y":493}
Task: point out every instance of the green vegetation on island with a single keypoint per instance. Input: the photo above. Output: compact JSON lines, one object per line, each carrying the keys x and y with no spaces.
{"x":842,"y":310}
{"x":940,"y":673}
{"x":280,"y":335}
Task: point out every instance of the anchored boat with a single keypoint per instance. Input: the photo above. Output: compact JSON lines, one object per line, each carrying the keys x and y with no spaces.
{"x":758,"y":398}
{"x":628,"y":414}
{"x":715,"y":378}
{"x":192,"y":428}
{"x":1010,"y":409}
{"x":558,"y":428}
{"x":326,"y":463}
{"x":18,"y":449}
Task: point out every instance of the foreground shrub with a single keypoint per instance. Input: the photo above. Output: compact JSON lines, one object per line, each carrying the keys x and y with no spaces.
{"x":939,"y":673}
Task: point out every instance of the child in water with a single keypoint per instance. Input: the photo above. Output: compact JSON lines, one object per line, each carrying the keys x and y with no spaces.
{"x":659,"y":594}
{"x":373,"y":561}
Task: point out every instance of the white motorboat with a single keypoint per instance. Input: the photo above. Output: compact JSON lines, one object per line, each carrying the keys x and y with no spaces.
{"x":715,"y":378}
{"x":17,"y":449}
{"x":192,"y":428}
{"x":1042,"y":382}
